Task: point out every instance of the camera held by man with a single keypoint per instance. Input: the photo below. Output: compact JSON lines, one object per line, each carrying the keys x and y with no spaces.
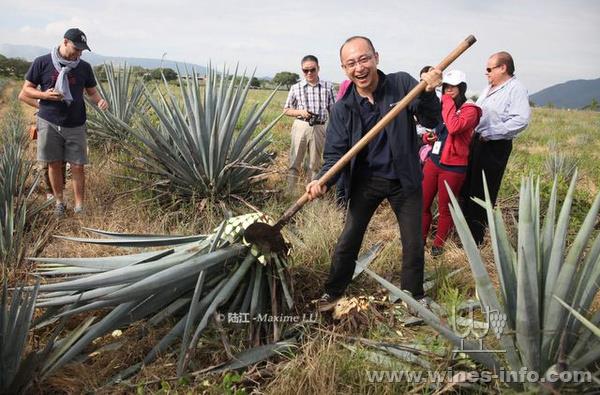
{"x":312,"y":119}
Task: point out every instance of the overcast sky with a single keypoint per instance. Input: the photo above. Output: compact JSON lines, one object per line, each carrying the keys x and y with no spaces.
{"x":551,"y":41}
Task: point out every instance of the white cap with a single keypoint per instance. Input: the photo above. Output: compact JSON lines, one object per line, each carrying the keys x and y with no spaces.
{"x":454,"y":77}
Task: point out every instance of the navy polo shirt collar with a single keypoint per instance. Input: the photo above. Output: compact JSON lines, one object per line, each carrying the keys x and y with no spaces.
{"x":353,"y":98}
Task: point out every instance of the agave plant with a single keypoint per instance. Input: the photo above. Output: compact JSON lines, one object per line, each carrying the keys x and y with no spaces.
{"x":18,"y":211}
{"x":532,"y":275}
{"x":202,"y":145}
{"x":18,"y":372}
{"x":535,"y":278}
{"x":124,"y":93}
{"x":15,"y":374}
{"x":560,"y":165}
{"x":202,"y":275}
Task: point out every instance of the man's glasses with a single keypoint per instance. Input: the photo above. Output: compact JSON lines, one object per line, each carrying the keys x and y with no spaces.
{"x":363,"y":60}
{"x":306,"y":71}
{"x":489,"y":69}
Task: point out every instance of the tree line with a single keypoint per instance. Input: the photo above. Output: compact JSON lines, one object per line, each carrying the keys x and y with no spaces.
{"x":13,"y":67}
{"x":17,"y":67}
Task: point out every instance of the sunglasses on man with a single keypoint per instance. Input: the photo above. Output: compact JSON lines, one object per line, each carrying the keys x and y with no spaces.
{"x":489,"y":69}
{"x":306,"y":71}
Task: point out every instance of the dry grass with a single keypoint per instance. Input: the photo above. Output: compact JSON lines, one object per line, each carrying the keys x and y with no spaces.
{"x":321,"y":365}
{"x":317,"y":228}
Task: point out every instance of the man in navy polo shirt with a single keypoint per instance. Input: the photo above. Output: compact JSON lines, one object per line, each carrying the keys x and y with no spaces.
{"x":62,"y":136}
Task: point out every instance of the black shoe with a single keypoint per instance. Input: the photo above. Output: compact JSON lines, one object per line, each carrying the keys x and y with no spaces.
{"x":326,"y":302}
{"x":437,"y":251}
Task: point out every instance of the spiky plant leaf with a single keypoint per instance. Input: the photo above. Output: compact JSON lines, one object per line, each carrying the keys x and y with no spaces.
{"x":223,"y":295}
{"x":66,"y":343}
{"x":527,"y":316}
{"x":595,"y":330}
{"x":555,"y":259}
{"x":193,"y":312}
{"x":566,"y":283}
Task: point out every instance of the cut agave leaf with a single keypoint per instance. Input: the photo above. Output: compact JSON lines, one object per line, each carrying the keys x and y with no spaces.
{"x":135,"y":241}
{"x":487,"y":359}
{"x":117,"y":235}
{"x":365,"y":259}
{"x":203,"y":277}
{"x":256,"y":355}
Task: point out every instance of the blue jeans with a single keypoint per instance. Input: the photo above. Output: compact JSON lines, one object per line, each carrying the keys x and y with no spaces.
{"x":366,"y":195}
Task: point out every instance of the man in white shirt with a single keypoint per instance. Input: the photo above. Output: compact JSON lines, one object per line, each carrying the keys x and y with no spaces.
{"x":506,"y":113}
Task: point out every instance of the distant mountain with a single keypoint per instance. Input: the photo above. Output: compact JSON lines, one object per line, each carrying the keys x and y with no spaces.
{"x":27,"y":52}
{"x":571,"y":94}
{"x":30,"y":52}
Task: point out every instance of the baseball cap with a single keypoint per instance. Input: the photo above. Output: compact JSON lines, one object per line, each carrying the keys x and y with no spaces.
{"x":454,"y":77}
{"x":78,"y":38}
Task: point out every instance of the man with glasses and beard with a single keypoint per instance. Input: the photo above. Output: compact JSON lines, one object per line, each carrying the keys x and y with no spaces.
{"x":309,"y":101}
{"x":388,"y":168}
{"x":506,"y":113}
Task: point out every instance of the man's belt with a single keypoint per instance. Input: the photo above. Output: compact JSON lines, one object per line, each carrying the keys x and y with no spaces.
{"x":314,"y":123}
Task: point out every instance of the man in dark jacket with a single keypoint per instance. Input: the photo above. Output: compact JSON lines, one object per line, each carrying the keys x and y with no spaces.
{"x":388,"y":168}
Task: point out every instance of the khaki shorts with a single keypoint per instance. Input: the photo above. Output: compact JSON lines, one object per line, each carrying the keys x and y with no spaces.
{"x":59,"y":143}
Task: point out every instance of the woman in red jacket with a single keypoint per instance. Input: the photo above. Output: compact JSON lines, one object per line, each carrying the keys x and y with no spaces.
{"x":447,"y":162}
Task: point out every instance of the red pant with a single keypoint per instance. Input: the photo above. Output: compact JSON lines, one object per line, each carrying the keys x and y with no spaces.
{"x":433,"y":182}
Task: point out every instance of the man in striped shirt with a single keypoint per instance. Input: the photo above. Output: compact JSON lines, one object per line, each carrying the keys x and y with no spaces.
{"x":309,"y":101}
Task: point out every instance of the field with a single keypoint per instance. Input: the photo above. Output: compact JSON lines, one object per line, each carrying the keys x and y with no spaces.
{"x":333,"y":356}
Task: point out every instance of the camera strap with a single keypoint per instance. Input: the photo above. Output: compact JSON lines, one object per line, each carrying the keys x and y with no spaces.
{"x":318,"y":112}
